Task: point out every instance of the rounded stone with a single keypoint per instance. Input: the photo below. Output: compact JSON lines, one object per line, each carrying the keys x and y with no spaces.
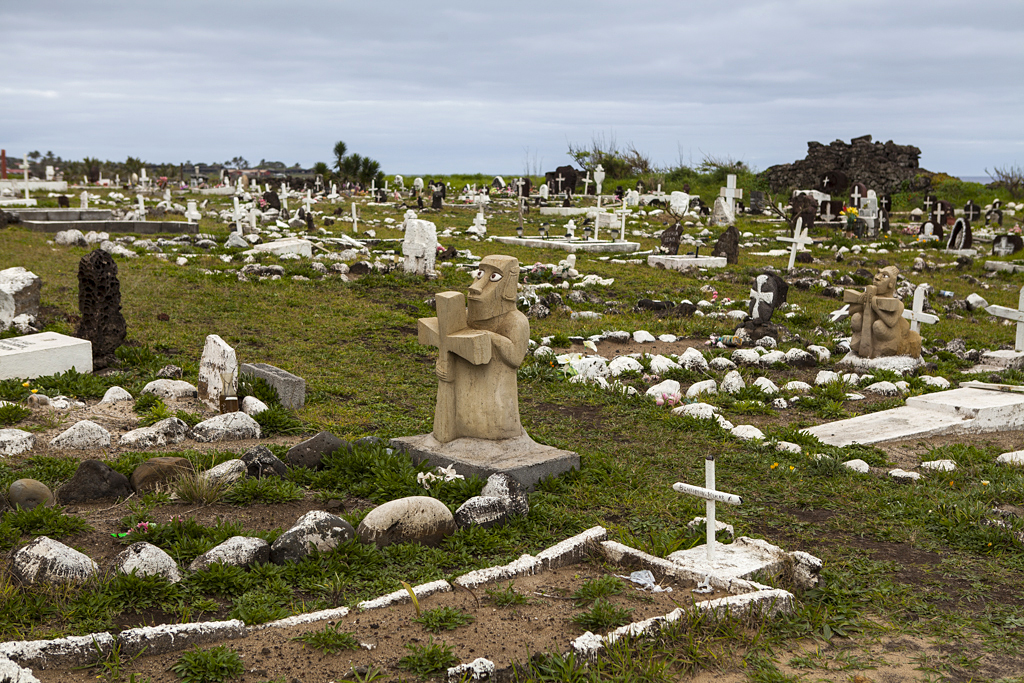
{"x":14,"y":441}
{"x":47,"y":561}
{"x":145,"y":559}
{"x":170,"y":389}
{"x":237,"y":551}
{"x":29,"y":494}
{"x":417,"y":519}
{"x":83,"y":435}
{"x":316,"y":528}
{"x":227,"y":427}
{"x":260,"y":462}
{"x":94,"y":480}
{"x":115,"y":395}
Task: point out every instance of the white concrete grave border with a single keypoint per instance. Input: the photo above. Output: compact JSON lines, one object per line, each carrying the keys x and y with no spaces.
{"x":747,"y":597}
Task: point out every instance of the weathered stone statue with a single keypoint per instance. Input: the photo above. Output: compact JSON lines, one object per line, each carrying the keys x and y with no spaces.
{"x":478,"y":355}
{"x":476,"y":420}
{"x":876,"y":318}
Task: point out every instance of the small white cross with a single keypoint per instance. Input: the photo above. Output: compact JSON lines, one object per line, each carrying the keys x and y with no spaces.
{"x":928,"y":204}
{"x":1016,"y":315}
{"x":238,"y":216}
{"x":710,"y":495}
{"x":623,"y":212}
{"x":355,"y":219}
{"x":559,"y":180}
{"x":730,"y":193}
{"x":798,"y":240}
{"x":757,"y":295}
{"x":917,"y":315}
{"x":586,"y":183}
{"x":940,"y":214}
{"x":856,"y":196}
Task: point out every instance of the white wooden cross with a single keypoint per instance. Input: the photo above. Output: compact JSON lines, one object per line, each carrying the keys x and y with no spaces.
{"x":238,"y":217}
{"x":142,"y":208}
{"x":928,"y":205}
{"x":355,"y":219}
{"x":559,"y":180}
{"x":308,"y":201}
{"x":623,"y":212}
{"x":1016,"y":315}
{"x":836,"y":316}
{"x":711,"y":495}
{"x":519,"y":186}
{"x":799,"y":239}
{"x":730,"y":192}
{"x":373,"y":186}
{"x":940,"y":215}
{"x":917,"y":315}
{"x":856,"y":196}
{"x":586,"y":183}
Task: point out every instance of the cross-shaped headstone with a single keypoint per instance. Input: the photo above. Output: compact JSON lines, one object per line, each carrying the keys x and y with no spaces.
{"x":710,"y":495}
{"x":238,"y":213}
{"x":799,"y":239}
{"x":586,"y":183}
{"x":308,"y":202}
{"x":856,"y":196}
{"x":972,"y":211}
{"x":451,"y":334}
{"x":940,"y":214}
{"x":826,"y":211}
{"x":519,"y":186}
{"x":730,"y":193}
{"x":373,"y":186}
{"x":559,"y":180}
{"x":1016,"y":315}
{"x":623,"y":212}
{"x":355,"y":219}
{"x":142,"y":208}
{"x":916,"y":316}
{"x":758,"y":295}
{"x":928,"y":203}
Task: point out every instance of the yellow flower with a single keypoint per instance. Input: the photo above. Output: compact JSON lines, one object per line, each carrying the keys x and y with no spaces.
{"x":35,"y":391}
{"x":774,"y":465}
{"x":791,"y":468}
{"x":950,"y":483}
{"x":984,"y":482}
{"x":25,"y":384}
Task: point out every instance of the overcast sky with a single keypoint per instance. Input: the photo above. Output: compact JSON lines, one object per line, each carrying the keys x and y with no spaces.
{"x":503,"y":87}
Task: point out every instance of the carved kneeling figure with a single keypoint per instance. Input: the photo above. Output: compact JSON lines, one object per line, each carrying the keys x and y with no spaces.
{"x":876,"y":318}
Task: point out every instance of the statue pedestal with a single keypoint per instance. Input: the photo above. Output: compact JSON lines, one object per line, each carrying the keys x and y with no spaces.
{"x":521,"y":458}
{"x":904,"y":365}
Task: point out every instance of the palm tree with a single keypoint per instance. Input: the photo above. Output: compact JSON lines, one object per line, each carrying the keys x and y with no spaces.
{"x":339,"y":154}
{"x":369,"y":169}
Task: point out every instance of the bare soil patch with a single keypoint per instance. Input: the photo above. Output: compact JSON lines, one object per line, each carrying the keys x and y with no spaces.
{"x":506,"y":635}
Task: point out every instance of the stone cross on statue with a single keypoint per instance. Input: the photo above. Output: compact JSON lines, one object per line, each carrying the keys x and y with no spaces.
{"x":710,"y":496}
{"x":451,"y":334}
{"x":1015,"y":315}
{"x":917,"y":315}
{"x":799,"y":239}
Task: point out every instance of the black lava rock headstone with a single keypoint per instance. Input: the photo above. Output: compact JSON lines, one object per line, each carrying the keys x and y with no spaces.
{"x":260,"y":462}
{"x":758,"y":201}
{"x":63,"y":202}
{"x":94,"y":480}
{"x":832,"y":182}
{"x":728,"y":245}
{"x":805,"y":207}
{"x":670,"y":239}
{"x":1005,"y":245}
{"x":654,"y":305}
{"x":273,"y":201}
{"x":960,"y":236}
{"x":311,"y":452}
{"x":99,"y":303}
{"x":768,"y":293}
{"x":994,"y":216}
{"x":437,"y":200}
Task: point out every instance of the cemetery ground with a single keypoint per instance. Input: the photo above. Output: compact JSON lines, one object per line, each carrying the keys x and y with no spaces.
{"x":915,"y":586}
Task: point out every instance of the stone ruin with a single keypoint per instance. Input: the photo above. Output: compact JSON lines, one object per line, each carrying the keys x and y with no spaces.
{"x":99,"y":303}
{"x":882,"y":166}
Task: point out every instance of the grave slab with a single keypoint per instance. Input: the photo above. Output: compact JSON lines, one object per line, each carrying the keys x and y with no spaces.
{"x":684,"y":262}
{"x":521,"y":458}
{"x":46,"y":353}
{"x":744,"y":558}
{"x":135,"y":227}
{"x":63,"y":214}
{"x":958,"y":411}
{"x":1008,"y":266}
{"x":572,"y":246}
{"x":290,"y":389}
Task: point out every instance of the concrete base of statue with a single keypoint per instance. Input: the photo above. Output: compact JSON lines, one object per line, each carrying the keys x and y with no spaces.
{"x":521,"y":458}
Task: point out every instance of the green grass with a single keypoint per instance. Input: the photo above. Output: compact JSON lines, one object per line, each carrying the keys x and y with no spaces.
{"x":213,"y":665}
{"x":329,"y":639}
{"x":602,"y":616}
{"x":428,"y":659}
{"x":443,"y":619}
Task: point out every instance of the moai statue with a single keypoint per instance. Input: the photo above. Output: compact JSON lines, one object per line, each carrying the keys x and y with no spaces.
{"x":876,"y":318}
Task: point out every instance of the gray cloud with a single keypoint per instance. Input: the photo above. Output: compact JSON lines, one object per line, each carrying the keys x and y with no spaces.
{"x":470,"y":86}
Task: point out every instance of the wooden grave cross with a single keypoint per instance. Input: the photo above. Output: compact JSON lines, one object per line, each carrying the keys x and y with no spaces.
{"x":916,"y":316}
{"x":856,"y":196}
{"x":355,"y":219}
{"x":1015,"y":315}
{"x":451,"y":334}
{"x":799,"y":239}
{"x":710,"y":495}
{"x":928,"y":204}
{"x":142,"y":207}
{"x":559,"y":180}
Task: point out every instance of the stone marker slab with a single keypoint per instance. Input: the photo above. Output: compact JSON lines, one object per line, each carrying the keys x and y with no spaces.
{"x":134,"y":227}
{"x":63,"y":214}
{"x":290,"y":388}
{"x":958,"y":411}
{"x":684,"y":262}
{"x":571,"y":246}
{"x":521,"y":458}
{"x":46,"y":353}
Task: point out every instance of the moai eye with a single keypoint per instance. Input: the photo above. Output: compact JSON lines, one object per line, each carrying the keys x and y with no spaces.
{"x":495,"y":277}
{"x":477,"y":274}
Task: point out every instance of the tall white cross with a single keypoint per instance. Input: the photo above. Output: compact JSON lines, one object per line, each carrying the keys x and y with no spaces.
{"x":928,"y":205}
{"x":917,"y":315}
{"x":373,"y":186}
{"x":940,"y":214}
{"x":308,"y":201}
{"x":24,"y":166}
{"x":559,"y":180}
{"x":586,"y":183}
{"x":519,"y":186}
{"x":623,"y":212}
{"x":856,"y":196}
{"x":711,"y":496}
{"x":1016,"y":315}
{"x":730,"y":193}
{"x":355,"y":219}
{"x":142,"y":208}
{"x":799,"y":239}
{"x":238,"y":216}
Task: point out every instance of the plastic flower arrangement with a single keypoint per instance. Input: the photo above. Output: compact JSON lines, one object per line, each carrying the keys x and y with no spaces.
{"x":850,"y":213}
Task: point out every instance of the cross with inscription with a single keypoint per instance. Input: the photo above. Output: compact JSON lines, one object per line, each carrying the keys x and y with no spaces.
{"x":710,"y":496}
{"x":451,"y":334}
{"x":1015,"y":315}
{"x":917,"y":315}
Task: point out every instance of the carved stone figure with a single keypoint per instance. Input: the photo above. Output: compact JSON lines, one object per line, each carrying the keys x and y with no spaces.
{"x":876,"y":318}
{"x":476,"y":421}
{"x":479,"y":355}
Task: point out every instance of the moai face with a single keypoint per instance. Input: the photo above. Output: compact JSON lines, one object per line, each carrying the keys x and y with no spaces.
{"x":493,"y":291}
{"x":885,"y":281}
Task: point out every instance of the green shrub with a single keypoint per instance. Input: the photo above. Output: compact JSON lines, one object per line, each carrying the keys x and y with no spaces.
{"x":329,"y":640}
{"x":602,"y":616}
{"x":429,"y":658}
{"x":215,"y":665}
{"x":251,"y":385}
{"x":46,"y":521}
{"x":265,"y":490}
{"x":12,"y":414}
{"x":277,"y":419}
{"x":443,"y":619}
